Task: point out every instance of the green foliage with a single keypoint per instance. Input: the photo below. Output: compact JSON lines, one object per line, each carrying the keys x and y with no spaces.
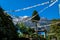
{"x":22,"y":27}
{"x":25,"y":30}
{"x":55,"y":28}
{"x":7,"y":28}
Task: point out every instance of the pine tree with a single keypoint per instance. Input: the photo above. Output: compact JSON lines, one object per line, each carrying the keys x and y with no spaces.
{"x":35,"y":18}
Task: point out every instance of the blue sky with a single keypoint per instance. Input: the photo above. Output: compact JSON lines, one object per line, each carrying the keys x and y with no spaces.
{"x":50,"y":13}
